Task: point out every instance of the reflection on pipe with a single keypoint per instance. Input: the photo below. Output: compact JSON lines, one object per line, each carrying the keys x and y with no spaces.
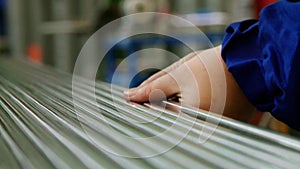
{"x":41,"y":128}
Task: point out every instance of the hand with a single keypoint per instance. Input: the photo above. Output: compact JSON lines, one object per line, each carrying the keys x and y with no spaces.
{"x":190,"y":78}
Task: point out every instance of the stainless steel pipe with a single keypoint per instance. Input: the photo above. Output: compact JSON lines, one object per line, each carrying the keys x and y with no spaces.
{"x":44,"y":125}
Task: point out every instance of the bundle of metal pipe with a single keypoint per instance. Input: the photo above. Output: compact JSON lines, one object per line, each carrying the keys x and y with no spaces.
{"x":45,"y":124}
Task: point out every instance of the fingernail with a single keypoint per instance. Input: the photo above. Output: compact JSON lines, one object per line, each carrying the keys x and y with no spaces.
{"x":126,"y":92}
{"x":130,"y":92}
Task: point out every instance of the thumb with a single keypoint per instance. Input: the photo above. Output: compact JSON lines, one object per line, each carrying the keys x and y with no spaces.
{"x":159,"y":89}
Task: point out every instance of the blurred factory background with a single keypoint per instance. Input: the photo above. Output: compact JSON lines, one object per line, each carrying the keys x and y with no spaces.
{"x":54,"y":31}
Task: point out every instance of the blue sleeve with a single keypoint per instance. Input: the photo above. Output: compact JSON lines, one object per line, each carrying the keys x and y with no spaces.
{"x":264,"y":57}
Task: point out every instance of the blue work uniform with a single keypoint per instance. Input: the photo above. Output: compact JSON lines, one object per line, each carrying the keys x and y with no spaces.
{"x":264,"y":57}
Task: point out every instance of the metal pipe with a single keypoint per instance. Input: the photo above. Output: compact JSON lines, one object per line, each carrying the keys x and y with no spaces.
{"x":272,"y":148}
{"x":39,"y":102}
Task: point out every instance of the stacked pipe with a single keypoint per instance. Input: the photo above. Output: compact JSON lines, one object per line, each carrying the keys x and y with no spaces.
{"x":45,"y":124}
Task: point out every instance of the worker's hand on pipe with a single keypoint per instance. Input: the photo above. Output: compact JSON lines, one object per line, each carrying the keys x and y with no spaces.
{"x":189,"y":80}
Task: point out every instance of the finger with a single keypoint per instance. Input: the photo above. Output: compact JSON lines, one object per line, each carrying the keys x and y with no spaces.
{"x":130,"y":92}
{"x":159,"y":89}
{"x":154,"y":77}
{"x":170,"y":68}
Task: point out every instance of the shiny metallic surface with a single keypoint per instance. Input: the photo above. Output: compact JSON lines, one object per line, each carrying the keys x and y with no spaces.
{"x":40,"y":128}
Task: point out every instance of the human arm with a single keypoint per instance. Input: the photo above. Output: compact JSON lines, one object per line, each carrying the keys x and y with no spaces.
{"x":174,"y":81}
{"x":262,"y":61}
